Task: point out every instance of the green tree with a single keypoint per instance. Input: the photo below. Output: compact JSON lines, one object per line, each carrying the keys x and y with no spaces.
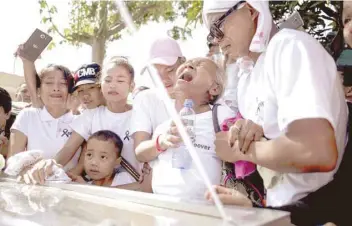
{"x":96,"y":23}
{"x":319,"y":17}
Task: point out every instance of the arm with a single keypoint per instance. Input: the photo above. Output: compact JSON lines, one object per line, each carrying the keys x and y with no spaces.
{"x":144,"y":147}
{"x":311,"y":111}
{"x":30,"y":76}
{"x":78,"y":170}
{"x":308,"y":146}
{"x":69,"y":149}
{"x":18,"y":143}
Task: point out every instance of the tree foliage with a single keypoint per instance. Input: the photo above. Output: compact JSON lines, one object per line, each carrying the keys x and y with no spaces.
{"x":96,"y":23}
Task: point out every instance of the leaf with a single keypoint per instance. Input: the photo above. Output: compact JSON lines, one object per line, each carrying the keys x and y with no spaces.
{"x":51,"y":45}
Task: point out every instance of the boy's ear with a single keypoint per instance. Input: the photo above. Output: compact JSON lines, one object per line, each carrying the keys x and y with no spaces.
{"x":132,"y":86}
{"x":118,"y":161}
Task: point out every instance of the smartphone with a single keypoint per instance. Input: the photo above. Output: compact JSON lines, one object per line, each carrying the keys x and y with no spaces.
{"x":294,"y":21}
{"x":35,"y":45}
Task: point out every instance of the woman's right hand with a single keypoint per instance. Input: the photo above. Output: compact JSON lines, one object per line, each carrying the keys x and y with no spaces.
{"x":17,"y":54}
{"x":170,"y":139}
{"x":37,"y":173}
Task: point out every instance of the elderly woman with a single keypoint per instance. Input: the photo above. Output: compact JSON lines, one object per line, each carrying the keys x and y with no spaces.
{"x":201,"y":81}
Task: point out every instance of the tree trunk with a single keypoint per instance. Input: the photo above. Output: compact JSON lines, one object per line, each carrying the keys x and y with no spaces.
{"x":98,"y":50}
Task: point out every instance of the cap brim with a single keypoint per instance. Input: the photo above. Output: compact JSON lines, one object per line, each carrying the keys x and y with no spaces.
{"x":168,"y":61}
{"x":84,"y":82}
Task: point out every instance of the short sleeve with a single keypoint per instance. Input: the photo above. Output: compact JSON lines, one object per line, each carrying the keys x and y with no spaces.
{"x":122,"y":178}
{"x":141,"y":120}
{"x":303,"y":79}
{"x":22,"y":121}
{"x":82,"y":124}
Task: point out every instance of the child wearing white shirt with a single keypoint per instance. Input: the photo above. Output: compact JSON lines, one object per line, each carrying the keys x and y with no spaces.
{"x":200,"y":80}
{"x":117,"y":81}
{"x":102,"y":157}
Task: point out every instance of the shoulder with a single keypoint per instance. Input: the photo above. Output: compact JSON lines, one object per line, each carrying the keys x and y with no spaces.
{"x":289,"y":43}
{"x":146,"y":95}
{"x":224,"y":112}
{"x":29,"y":112}
{"x":294,"y":52}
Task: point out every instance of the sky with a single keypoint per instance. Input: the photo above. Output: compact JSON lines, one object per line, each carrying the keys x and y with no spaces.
{"x":19,"y":18}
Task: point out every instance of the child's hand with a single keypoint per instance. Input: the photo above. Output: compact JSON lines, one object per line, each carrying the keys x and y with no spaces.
{"x":76,"y":178}
{"x":145,"y":179}
{"x":3,"y":140}
{"x":170,"y":139}
{"x":229,"y":197}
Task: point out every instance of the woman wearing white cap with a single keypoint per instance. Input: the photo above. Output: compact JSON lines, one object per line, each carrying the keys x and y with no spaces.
{"x":292,"y":92}
{"x":148,"y":109}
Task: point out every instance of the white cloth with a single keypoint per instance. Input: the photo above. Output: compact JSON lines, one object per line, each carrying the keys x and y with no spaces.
{"x":189,"y":183}
{"x":148,"y":112}
{"x":102,"y":119}
{"x":20,"y":161}
{"x":44,"y":132}
{"x":294,"y":79}
{"x":262,"y":34}
{"x":120,"y":178}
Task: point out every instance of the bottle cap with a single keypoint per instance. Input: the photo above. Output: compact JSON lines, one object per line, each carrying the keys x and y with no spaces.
{"x":188,"y":103}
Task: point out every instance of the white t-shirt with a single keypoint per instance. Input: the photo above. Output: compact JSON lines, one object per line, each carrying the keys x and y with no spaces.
{"x":294,"y":79}
{"x":120,"y":178}
{"x":44,"y":132}
{"x":101,"y":118}
{"x":148,"y":112}
{"x":189,"y":183}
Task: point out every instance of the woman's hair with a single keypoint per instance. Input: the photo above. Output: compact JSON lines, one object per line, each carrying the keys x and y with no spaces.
{"x":66,"y":72}
{"x":119,"y":62}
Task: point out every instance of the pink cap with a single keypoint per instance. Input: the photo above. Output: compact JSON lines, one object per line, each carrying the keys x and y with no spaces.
{"x":164,"y":51}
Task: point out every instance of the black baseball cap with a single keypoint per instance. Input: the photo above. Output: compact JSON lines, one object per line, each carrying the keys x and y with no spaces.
{"x":86,"y":74}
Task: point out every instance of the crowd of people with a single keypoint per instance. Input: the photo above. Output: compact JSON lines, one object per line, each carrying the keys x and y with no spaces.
{"x":283,"y":149}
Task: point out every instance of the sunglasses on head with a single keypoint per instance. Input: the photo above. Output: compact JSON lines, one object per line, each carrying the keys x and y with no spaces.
{"x":215,"y":32}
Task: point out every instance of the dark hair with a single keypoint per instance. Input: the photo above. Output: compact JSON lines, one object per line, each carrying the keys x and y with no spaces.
{"x":67,"y":75}
{"x":119,"y":61}
{"x":5,"y":100}
{"x":107,"y":135}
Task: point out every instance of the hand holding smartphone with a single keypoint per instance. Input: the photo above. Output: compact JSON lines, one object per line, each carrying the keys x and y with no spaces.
{"x":34,"y":46}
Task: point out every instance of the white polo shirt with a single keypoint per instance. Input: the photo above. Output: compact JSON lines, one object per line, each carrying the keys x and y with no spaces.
{"x":188,"y":183}
{"x":148,"y":112}
{"x":101,"y":118}
{"x":294,"y":79}
{"x":44,"y":132}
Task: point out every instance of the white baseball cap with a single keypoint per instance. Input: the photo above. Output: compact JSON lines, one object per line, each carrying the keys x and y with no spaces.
{"x":164,"y":51}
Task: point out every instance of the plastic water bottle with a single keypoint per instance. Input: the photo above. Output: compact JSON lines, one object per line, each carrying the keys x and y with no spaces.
{"x":230,"y":94}
{"x":181,"y":159}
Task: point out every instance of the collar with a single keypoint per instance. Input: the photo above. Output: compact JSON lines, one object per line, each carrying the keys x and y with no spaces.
{"x":45,"y":116}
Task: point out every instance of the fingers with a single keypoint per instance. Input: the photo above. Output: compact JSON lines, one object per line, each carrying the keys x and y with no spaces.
{"x":258,"y":136}
{"x":229,"y":197}
{"x":245,"y":129}
{"x":235,"y":132}
{"x":248,"y":139}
